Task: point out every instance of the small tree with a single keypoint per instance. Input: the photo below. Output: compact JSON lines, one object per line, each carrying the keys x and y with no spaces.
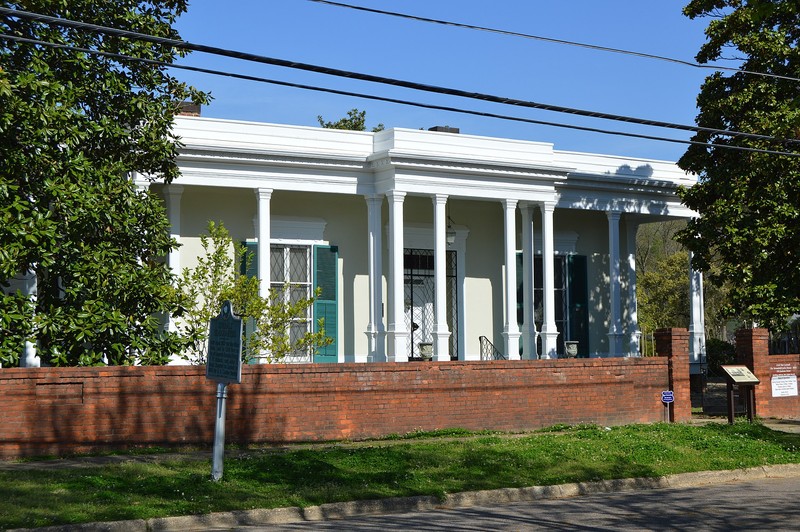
{"x":216,"y":279}
{"x":354,"y":121}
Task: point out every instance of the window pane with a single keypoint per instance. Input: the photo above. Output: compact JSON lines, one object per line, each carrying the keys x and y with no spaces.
{"x":278,"y":290}
{"x":276,"y":264}
{"x":298,"y":264}
{"x":297,"y":330}
{"x":298,"y":292}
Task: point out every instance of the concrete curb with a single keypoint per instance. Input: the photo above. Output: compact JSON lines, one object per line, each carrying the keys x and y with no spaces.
{"x":342,"y":510}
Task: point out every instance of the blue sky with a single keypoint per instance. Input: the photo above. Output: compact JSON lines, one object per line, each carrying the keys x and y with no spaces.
{"x":471,"y":60}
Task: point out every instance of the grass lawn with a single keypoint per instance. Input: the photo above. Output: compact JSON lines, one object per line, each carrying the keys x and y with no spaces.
{"x":420,"y":464}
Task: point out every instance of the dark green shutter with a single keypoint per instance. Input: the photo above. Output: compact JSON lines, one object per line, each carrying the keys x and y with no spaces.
{"x":326,"y":307}
{"x":578,"y":302}
{"x":250,"y":250}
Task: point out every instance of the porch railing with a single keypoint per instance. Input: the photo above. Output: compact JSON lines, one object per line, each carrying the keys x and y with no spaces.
{"x":489,"y":351}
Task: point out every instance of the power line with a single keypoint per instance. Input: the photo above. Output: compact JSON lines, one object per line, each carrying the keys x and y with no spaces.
{"x":384,"y":98}
{"x":552,"y":40}
{"x":184,"y":45}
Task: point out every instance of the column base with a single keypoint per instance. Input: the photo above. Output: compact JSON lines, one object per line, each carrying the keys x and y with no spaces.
{"x":398,"y":345}
{"x":549,"y":343}
{"x":635,"y":343}
{"x":615,"y":344}
{"x":529,"y":344}
{"x":441,"y":346}
{"x":512,"y":344}
{"x":375,"y":346}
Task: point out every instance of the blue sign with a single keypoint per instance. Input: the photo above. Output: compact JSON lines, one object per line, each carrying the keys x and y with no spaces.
{"x":668,"y":396}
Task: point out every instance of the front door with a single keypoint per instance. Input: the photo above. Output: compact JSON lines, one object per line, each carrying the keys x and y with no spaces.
{"x":419,"y":302}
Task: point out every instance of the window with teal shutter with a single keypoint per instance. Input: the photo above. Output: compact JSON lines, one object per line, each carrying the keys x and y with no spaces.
{"x":326,"y":261}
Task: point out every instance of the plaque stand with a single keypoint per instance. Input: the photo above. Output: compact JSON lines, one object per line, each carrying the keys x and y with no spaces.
{"x":742,"y":377}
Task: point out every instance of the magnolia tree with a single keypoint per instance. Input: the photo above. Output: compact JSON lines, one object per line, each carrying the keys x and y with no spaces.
{"x":748,"y":201}
{"x":74,"y":126}
{"x":217,"y":278}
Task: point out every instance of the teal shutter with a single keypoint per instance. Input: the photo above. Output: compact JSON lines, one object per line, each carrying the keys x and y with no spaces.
{"x":578,"y":302}
{"x":326,"y":307}
{"x":251,"y":251}
{"x":251,"y":270}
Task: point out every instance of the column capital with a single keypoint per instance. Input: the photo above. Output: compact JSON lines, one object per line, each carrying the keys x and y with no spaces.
{"x":509,"y":203}
{"x":613,"y":215}
{"x":173,"y":190}
{"x":263,"y":193}
{"x":547,"y":205}
{"x":439,"y":199}
{"x":395,"y":195}
{"x":373,"y":196}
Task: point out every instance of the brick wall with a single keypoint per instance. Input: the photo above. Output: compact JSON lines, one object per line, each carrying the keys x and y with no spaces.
{"x":63,"y":410}
{"x":752,"y":350}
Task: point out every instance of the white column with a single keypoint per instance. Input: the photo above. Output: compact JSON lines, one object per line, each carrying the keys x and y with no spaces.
{"x":633,"y":318}
{"x":397,"y":332}
{"x":375,"y":331}
{"x":441,"y":333}
{"x":511,"y":332}
{"x":528,"y":323}
{"x":30,"y":358}
{"x":615,"y":318}
{"x":697,"y":326}
{"x":263,"y":234}
{"x":173,"y":197}
{"x":549,"y":330}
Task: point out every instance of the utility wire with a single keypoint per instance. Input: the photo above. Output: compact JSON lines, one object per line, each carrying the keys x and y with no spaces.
{"x":184,"y":45}
{"x":247,"y":77}
{"x":552,"y":40}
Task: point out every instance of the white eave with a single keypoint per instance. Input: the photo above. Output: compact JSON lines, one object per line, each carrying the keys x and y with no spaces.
{"x":220,"y":152}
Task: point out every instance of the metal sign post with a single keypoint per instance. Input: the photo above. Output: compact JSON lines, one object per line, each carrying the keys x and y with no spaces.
{"x":667,"y":397}
{"x":224,"y":365}
{"x":219,"y":432}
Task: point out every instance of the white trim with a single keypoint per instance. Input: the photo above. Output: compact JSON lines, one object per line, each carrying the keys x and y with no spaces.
{"x":564,"y":243}
{"x":291,"y":228}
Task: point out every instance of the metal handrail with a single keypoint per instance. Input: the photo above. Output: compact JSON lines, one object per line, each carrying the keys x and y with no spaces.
{"x":489,"y":351}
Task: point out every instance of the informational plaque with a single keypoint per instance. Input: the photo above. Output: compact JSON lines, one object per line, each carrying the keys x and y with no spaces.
{"x":225,"y":347}
{"x":784,"y":385}
{"x":740,"y":374}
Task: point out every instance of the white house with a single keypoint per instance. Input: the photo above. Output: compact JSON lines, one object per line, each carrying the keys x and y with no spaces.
{"x":431,"y":243}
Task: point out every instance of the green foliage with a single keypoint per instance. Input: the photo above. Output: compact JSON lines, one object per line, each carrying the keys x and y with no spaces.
{"x":73,"y":127}
{"x":718,"y":353}
{"x":663,"y":282}
{"x":663,"y":293}
{"x":216,"y":279}
{"x":354,"y":121}
{"x":749,"y":202}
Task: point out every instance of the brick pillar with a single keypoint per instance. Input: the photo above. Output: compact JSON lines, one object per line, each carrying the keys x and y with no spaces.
{"x":674,"y":344}
{"x":752,"y":350}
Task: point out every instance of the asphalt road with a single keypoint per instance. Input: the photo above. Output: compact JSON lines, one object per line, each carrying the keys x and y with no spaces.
{"x":768,"y":504}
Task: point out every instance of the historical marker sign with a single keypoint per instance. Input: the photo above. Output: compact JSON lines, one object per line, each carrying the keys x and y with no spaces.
{"x":667,"y":396}
{"x":740,"y":375}
{"x":225,"y":347}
